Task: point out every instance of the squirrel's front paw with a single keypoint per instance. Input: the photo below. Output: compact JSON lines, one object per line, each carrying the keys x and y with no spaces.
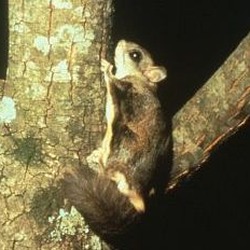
{"x":94,"y":159}
{"x":106,"y":67}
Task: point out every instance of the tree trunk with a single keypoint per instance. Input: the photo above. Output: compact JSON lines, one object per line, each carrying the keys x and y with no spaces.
{"x":54,"y":98}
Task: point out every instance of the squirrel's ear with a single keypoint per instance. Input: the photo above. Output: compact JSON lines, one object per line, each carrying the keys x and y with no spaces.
{"x":155,"y":73}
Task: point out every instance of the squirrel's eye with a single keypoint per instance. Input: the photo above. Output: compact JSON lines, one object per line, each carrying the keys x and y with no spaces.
{"x":136,"y":56}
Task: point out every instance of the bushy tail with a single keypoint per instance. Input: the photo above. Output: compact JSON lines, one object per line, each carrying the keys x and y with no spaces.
{"x":108,"y":212}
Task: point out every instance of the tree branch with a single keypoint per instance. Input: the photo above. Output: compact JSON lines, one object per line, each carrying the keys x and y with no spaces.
{"x":216,"y":112}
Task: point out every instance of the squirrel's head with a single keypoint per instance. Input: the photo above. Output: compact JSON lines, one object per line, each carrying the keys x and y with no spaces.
{"x":133,"y":60}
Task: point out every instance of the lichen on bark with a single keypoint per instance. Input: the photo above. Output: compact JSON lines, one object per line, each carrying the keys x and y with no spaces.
{"x":55,"y":82}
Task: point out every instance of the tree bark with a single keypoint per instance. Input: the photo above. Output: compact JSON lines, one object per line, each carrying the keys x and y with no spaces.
{"x":56,"y":97}
{"x":215,"y":112}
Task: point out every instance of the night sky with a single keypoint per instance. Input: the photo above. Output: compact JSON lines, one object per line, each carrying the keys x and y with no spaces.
{"x":191,"y":39}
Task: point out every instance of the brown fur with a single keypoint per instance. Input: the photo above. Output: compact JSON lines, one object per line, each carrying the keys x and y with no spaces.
{"x":139,"y":132}
{"x":100,"y":202}
{"x":113,"y":199}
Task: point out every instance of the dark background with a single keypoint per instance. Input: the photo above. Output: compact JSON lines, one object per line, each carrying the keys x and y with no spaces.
{"x":3,"y":37}
{"x":192,"y":39}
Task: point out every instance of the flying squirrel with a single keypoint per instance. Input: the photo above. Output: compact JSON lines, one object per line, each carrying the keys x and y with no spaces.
{"x":112,"y":198}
